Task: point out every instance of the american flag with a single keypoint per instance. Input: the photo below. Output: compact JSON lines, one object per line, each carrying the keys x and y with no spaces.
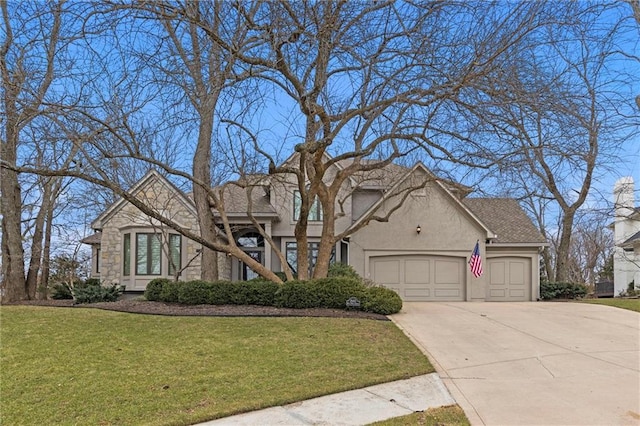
{"x":475,"y":263}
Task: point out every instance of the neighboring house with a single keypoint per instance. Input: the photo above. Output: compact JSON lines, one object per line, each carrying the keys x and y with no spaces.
{"x":422,"y":251}
{"x":626,"y":255}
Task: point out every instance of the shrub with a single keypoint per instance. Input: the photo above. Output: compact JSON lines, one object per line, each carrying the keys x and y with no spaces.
{"x":194,"y":292}
{"x":342,"y":270}
{"x":97,"y":293}
{"x":295,"y":294}
{"x":560,"y":290}
{"x":154,"y":289}
{"x":381,"y":300}
{"x":92,"y":282}
{"x":61,"y":290}
{"x":169,"y":292}
{"x":318,"y":293}
{"x":334,"y":292}
{"x":254,"y":292}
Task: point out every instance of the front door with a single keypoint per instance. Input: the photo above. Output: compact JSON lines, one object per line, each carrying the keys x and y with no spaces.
{"x":245,"y":272}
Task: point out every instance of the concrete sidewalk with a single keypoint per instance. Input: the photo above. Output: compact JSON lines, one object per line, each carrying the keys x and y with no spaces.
{"x":356,"y":407}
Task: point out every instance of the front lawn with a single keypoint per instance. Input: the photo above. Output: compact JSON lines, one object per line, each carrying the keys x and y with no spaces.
{"x":630,"y":304}
{"x":88,"y":366}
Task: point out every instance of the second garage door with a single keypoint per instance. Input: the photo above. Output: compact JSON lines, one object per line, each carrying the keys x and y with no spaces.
{"x":509,"y":279}
{"x":420,"y":278}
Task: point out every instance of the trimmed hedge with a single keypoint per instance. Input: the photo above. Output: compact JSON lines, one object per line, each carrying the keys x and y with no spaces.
{"x":381,"y":300}
{"x":154,"y":288}
{"x":549,"y":291}
{"x":318,"y":293}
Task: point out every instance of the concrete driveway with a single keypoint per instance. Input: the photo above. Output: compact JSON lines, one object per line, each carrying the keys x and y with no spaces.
{"x":533,"y":363}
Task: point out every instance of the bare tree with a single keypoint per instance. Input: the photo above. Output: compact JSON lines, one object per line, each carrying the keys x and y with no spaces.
{"x":365,"y":82}
{"x":28,"y":69}
{"x":560,"y":111}
{"x":359,"y":86}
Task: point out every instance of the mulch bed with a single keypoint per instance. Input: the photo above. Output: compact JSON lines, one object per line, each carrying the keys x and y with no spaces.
{"x":174,"y":309}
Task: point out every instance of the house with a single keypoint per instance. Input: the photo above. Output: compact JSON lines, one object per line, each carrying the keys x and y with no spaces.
{"x":626,"y":228}
{"x":422,"y":251}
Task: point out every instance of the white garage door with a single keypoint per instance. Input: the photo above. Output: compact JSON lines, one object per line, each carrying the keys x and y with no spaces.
{"x":420,"y":278}
{"x":509,"y":279}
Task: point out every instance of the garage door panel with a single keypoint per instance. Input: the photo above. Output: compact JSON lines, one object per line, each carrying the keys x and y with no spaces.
{"x":448,"y":293}
{"x":416,"y":292}
{"x":421,"y":278}
{"x":497,"y":273}
{"x":516,"y":273}
{"x":497,"y":293}
{"x":387,"y":271}
{"x":417,"y":271}
{"x":517,"y":293}
{"x":447,"y":272}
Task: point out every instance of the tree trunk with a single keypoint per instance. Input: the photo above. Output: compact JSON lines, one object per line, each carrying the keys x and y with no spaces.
{"x":202,"y":173}
{"x":46,"y":257}
{"x":327,"y":241}
{"x":35,"y":263}
{"x":562,"y":253}
{"x":13,"y":277}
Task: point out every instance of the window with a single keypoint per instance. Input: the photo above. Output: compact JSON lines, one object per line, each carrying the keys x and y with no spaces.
{"x":97,"y":260}
{"x":126,"y":255}
{"x":312,"y":252}
{"x":175,"y":253}
{"x":315,"y":211}
{"x":148,"y":254}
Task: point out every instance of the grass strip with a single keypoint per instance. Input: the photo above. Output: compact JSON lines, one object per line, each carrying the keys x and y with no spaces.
{"x":630,"y":304}
{"x":451,"y":415}
{"x":89,"y":366}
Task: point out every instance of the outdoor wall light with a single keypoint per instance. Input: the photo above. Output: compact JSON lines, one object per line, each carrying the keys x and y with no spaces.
{"x":418,"y":229}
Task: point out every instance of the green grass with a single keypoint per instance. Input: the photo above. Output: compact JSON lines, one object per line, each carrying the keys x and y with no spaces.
{"x":630,"y":304}
{"x":89,"y":366}
{"x":451,"y":415}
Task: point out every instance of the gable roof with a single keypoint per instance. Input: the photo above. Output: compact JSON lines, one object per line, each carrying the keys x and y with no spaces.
{"x":507,"y":219}
{"x":236,"y":203}
{"x":444,"y":186}
{"x":631,"y":241}
{"x":148,"y":178}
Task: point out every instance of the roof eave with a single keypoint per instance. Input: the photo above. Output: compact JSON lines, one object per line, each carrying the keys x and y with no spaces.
{"x":518,"y":244}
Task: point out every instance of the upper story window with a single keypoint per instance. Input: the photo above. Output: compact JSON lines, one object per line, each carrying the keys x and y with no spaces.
{"x":313,"y":248}
{"x":315,"y":211}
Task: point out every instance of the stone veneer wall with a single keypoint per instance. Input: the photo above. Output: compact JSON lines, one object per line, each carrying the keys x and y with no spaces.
{"x":129,"y":219}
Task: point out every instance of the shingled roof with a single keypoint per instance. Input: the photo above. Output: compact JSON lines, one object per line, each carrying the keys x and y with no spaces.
{"x":505,"y":217}
{"x":93,"y":239}
{"x":236,"y":203}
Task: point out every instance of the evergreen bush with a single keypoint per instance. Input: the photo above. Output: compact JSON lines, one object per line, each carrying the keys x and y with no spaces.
{"x":97,"y":293}
{"x":342,"y":270}
{"x":562,"y":290}
{"x":154,"y":289}
{"x":295,"y":294}
{"x":381,"y":300}
{"x":195,"y":293}
{"x":170,"y":291}
{"x":334,"y":292}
